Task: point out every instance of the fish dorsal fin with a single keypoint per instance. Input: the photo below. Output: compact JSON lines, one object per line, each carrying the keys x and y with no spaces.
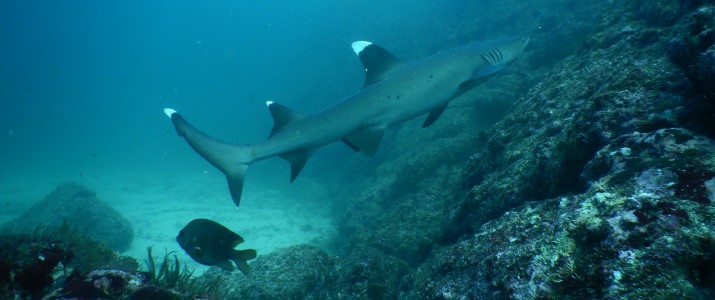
{"x":366,"y":141}
{"x":297,"y":161}
{"x":237,"y":240}
{"x":376,"y":60}
{"x":434,"y":115}
{"x":282,"y":116}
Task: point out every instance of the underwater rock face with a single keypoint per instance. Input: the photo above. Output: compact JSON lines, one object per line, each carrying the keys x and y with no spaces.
{"x":80,"y":208}
{"x":307,"y":272}
{"x":705,"y":70}
{"x":693,"y":49}
{"x":632,"y":234}
{"x":289,"y":273}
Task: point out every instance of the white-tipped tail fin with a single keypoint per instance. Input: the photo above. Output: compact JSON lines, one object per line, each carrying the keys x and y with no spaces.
{"x":232,"y":160}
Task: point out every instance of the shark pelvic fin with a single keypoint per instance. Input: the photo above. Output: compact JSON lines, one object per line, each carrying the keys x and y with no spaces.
{"x":282,"y":116}
{"x":434,"y":115}
{"x":297,"y":161}
{"x":366,"y":141}
{"x":376,"y":60}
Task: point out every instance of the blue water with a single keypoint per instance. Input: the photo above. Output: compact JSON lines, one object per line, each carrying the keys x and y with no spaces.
{"x":83,"y":83}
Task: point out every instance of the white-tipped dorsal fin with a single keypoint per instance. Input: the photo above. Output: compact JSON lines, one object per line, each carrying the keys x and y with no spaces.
{"x":169,"y":112}
{"x":376,"y":60}
{"x":359,"y":46}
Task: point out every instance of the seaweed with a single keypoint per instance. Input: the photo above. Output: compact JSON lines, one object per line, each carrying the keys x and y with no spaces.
{"x":170,"y":274}
{"x":213,"y":288}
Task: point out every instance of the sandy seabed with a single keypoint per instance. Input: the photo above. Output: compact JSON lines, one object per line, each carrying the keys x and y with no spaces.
{"x":158,"y":206}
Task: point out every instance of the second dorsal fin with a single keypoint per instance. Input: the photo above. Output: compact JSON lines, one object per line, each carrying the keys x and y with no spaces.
{"x":282,"y":116}
{"x":376,"y":60}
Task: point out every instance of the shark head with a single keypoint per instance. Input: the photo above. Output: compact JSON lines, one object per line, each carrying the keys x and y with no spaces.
{"x":503,"y":51}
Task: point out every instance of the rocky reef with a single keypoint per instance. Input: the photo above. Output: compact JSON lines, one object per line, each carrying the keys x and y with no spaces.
{"x":597,"y":183}
{"x":78,"y":207}
{"x":33,"y":265}
{"x":643,"y":229}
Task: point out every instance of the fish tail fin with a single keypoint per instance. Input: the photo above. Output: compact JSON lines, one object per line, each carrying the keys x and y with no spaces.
{"x":240,"y":257}
{"x":231,"y":159}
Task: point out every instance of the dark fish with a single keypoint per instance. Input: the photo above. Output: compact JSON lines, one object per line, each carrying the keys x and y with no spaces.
{"x":210,"y":243}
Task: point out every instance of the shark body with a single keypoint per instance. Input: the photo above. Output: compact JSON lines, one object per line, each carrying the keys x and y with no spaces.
{"x":393,"y":92}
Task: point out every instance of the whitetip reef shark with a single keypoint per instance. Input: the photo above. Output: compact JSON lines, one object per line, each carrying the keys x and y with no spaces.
{"x":394,"y":92}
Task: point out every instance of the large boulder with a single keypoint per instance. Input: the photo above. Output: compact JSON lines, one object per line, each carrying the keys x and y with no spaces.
{"x":78,"y":207}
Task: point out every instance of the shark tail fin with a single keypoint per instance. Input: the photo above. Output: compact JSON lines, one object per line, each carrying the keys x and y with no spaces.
{"x":231,"y":159}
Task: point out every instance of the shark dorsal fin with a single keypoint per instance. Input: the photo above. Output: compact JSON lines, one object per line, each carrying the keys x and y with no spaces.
{"x":297,"y":161}
{"x":376,"y":60}
{"x":282,"y":116}
{"x":366,"y":141}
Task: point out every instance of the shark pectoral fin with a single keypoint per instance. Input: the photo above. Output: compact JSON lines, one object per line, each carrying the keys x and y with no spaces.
{"x":487,"y":70}
{"x":434,"y":115}
{"x":479,"y":77}
{"x":297,"y":161}
{"x":282,"y":116}
{"x":235,"y":183}
{"x":376,"y":60}
{"x":366,"y":141}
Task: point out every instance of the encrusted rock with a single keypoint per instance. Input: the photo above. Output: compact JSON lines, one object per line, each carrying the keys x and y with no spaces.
{"x":79,"y":207}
